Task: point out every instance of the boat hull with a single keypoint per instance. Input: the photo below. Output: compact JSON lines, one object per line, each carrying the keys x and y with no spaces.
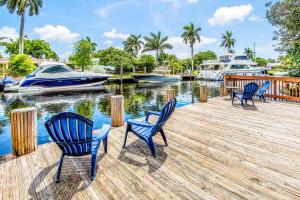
{"x":61,"y":82}
{"x":218,"y":75}
{"x":154,"y":78}
{"x":41,"y":88}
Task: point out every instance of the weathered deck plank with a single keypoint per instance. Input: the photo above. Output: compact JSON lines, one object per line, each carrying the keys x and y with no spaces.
{"x":216,"y":151}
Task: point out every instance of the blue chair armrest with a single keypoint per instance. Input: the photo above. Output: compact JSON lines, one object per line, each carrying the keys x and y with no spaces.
{"x":151,"y":113}
{"x":100,"y":134}
{"x":139,"y":123}
{"x":237,"y":92}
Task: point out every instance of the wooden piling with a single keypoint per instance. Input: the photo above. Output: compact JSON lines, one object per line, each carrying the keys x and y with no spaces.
{"x":170,"y":94}
{"x":203,"y":93}
{"x":222,"y":90}
{"x":117,"y":110}
{"x":24,"y":130}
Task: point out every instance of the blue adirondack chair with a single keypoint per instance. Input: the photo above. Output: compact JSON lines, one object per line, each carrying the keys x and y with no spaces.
{"x":249,"y":91}
{"x":73,"y":134}
{"x":145,"y":130}
{"x":262,"y":90}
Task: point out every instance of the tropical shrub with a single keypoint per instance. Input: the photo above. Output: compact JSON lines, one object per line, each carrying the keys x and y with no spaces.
{"x":204,"y":55}
{"x":294,"y":73}
{"x":20,"y":65}
{"x":147,"y":61}
{"x":186,"y":64}
{"x":261,"y":61}
{"x":83,"y":52}
{"x":115,"y":57}
{"x":36,"y":48}
{"x":284,"y":15}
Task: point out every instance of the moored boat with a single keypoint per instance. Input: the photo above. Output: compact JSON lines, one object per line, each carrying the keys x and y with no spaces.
{"x":154,"y":78}
{"x":230,"y":65}
{"x":57,"y":77}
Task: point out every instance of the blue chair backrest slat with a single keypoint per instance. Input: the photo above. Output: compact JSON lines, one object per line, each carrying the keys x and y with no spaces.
{"x":264,"y":88}
{"x":69,"y":127}
{"x":249,"y":90}
{"x":165,"y":114}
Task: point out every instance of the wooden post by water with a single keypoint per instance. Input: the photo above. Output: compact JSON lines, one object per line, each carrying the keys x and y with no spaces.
{"x":170,"y":94}
{"x":117,"y":110}
{"x":24,"y":130}
{"x":203,"y":93}
{"x":222,"y":90}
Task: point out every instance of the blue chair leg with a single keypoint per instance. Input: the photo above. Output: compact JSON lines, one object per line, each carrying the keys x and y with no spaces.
{"x":151,"y":146}
{"x":105,"y":144}
{"x":252,"y":102}
{"x":163,"y":136}
{"x":128,"y":128}
{"x":57,"y":180}
{"x":93,"y":165}
{"x":242,"y":102}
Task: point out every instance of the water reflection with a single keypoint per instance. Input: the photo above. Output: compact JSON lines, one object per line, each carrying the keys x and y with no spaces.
{"x":85,"y":108}
{"x":139,"y":99}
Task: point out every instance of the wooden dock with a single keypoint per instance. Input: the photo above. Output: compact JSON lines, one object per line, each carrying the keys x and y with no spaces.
{"x":216,"y":151}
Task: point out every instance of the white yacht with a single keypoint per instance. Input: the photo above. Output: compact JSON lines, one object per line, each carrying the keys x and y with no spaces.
{"x":230,"y":65}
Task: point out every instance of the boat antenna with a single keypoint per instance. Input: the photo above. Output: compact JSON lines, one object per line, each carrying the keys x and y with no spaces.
{"x":254,"y":52}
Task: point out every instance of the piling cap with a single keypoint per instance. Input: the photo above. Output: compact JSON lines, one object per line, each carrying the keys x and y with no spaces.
{"x":24,"y":109}
{"x":117,"y":96}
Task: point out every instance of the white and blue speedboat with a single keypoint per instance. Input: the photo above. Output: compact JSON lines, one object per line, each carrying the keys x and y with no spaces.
{"x":57,"y":77}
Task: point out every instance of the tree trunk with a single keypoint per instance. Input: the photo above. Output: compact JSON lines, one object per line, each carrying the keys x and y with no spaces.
{"x":82,"y":68}
{"x":192,"y":56}
{"x":21,"y":39}
{"x":192,"y":53}
{"x":156,"y":60}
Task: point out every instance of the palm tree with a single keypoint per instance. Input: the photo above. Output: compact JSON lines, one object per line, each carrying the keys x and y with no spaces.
{"x":133,"y":44}
{"x":156,"y":43}
{"x":248,"y":52}
{"x":94,"y":45}
{"x":191,"y":36}
{"x":20,"y":7}
{"x":228,"y":42}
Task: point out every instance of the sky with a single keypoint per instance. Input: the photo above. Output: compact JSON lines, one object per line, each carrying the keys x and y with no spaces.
{"x":109,"y":22}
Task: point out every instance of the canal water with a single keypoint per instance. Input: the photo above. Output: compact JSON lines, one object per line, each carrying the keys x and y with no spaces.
{"x":139,"y":98}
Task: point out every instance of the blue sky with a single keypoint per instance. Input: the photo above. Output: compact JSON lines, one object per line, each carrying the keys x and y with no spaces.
{"x":108,"y":23}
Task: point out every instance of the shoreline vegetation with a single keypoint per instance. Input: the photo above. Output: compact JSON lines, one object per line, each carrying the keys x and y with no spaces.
{"x":145,"y":53}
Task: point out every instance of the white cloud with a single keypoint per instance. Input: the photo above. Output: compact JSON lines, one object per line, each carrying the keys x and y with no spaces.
{"x":226,"y":15}
{"x":57,"y":33}
{"x":8,"y":32}
{"x":114,"y":34}
{"x":182,"y":50}
{"x":255,"y":18}
{"x":176,"y":4}
{"x":104,"y":11}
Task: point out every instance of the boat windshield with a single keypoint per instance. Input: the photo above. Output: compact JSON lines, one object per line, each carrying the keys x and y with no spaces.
{"x":239,"y":67}
{"x":35,"y":71}
{"x":56,"y":69}
{"x":241,"y":58}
